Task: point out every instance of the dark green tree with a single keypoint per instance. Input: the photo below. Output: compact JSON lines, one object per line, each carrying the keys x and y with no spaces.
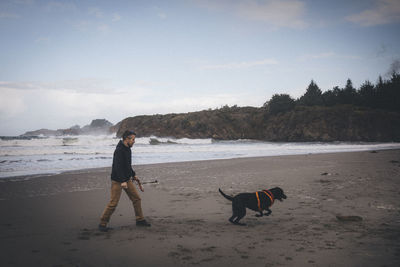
{"x":366,"y":94}
{"x":330,"y":97}
{"x":280,"y":103}
{"x":393,"y":92}
{"x":382,"y":96}
{"x":312,"y":97}
{"x":349,"y":93}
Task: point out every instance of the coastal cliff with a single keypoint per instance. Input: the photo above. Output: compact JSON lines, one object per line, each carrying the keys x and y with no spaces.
{"x":302,"y":124}
{"x":370,"y":113}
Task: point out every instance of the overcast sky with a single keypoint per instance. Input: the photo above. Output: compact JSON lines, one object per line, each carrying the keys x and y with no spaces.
{"x":67,"y":62}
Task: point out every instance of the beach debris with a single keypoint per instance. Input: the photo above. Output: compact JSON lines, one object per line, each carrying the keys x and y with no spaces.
{"x":84,"y":234}
{"x":324,"y":181}
{"x":151,"y":182}
{"x":374,"y":151}
{"x":351,"y":218}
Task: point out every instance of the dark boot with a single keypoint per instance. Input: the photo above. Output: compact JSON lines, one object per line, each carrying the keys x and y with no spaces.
{"x":104,"y":228}
{"x":143,"y":223}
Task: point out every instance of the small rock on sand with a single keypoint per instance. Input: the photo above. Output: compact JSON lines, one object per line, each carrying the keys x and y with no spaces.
{"x":349,"y":218}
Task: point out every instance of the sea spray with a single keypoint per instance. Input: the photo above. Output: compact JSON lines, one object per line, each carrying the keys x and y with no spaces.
{"x":44,"y":155}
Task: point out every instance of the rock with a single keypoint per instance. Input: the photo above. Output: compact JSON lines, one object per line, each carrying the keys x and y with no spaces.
{"x":326,"y":173}
{"x":44,"y":132}
{"x":96,"y":127}
{"x":154,"y":141}
{"x":351,"y":218}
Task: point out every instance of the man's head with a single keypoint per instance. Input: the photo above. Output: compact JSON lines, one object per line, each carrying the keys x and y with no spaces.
{"x":128,"y":138}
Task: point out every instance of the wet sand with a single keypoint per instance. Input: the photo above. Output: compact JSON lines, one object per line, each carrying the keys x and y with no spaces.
{"x":52,"y":220}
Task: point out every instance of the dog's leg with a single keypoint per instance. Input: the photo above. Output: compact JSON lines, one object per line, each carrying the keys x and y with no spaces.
{"x":238,"y":223}
{"x":238,"y":210}
{"x":231,"y":219}
{"x":268,"y":212}
{"x":235,"y":210}
{"x":241,"y":214}
{"x":259,"y":215}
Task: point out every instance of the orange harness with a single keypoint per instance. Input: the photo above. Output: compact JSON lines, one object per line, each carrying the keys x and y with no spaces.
{"x":269,"y":194}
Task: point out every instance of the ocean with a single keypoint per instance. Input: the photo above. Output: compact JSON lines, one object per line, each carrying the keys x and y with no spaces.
{"x":21,"y":156}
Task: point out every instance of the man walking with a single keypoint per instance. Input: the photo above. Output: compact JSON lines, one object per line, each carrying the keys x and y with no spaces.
{"x":122,"y":176}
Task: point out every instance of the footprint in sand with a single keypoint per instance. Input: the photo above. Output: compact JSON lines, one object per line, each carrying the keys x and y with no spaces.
{"x":85,"y":234}
{"x":208,"y":249}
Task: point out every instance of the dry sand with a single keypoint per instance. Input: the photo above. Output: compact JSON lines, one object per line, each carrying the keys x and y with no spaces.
{"x":52,"y":220}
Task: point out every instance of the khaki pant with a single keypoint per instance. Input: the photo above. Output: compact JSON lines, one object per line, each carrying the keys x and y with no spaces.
{"x":133,"y":195}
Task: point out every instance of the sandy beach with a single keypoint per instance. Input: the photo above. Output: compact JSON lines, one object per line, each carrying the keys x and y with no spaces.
{"x":52,"y":220}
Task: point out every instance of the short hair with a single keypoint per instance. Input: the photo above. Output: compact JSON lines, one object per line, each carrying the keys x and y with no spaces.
{"x":127,"y":133}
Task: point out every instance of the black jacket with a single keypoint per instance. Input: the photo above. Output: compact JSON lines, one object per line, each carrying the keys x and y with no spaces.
{"x":122,"y":164}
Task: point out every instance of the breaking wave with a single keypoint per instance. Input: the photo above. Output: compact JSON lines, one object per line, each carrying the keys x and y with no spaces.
{"x":42,"y":155}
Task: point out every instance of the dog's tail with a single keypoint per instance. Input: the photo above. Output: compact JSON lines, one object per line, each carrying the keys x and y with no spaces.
{"x":225,"y":196}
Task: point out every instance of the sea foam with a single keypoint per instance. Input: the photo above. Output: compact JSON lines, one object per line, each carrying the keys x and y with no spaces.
{"x":44,"y":155}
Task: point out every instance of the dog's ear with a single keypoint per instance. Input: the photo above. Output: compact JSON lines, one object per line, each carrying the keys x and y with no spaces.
{"x":279,"y":193}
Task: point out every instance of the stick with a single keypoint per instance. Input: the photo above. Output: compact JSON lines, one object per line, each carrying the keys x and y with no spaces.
{"x":151,"y":182}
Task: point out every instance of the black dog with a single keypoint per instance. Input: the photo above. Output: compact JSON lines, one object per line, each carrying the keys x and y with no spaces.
{"x":257,"y":201}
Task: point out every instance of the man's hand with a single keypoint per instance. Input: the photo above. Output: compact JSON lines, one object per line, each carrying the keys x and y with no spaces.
{"x":124,"y":185}
{"x":139,"y":183}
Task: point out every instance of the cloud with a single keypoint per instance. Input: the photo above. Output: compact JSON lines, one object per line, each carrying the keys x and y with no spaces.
{"x":9,"y":16}
{"x":394,"y":68}
{"x":62,"y":104}
{"x":104,"y":28}
{"x":160,"y":12}
{"x":95,"y":11}
{"x":116,"y":17}
{"x":60,"y":6}
{"x":317,"y":56}
{"x":34,"y":105}
{"x":23,"y":2}
{"x":242,"y":65}
{"x":89,"y":86}
{"x":275,"y":13}
{"x":383,"y":12}
{"x":325,"y":55}
{"x":98,"y":21}
{"x":162,"y":15}
{"x":42,"y":40}
{"x":11,"y":103}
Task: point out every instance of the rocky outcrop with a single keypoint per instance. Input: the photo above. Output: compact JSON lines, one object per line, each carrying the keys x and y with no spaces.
{"x":226,"y":123}
{"x":44,"y":132}
{"x":338,"y":123}
{"x":96,"y":127}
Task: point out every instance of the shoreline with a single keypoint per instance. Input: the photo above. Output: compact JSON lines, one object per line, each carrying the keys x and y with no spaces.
{"x":40,"y":175}
{"x":52,"y":220}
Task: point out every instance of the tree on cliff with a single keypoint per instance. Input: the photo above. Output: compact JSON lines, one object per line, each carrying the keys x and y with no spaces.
{"x":366,"y":94}
{"x":349,"y":93}
{"x":312,"y":97}
{"x":280,"y":103}
{"x":330,"y":97}
{"x":388,"y":93}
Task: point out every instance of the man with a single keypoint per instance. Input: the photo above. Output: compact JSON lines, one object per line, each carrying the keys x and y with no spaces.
{"x":122,"y":176}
